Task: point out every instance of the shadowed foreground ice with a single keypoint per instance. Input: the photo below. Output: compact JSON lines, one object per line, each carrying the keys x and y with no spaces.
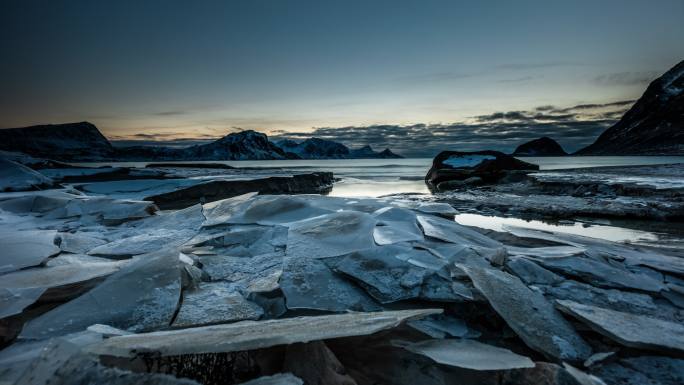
{"x":294,"y":289}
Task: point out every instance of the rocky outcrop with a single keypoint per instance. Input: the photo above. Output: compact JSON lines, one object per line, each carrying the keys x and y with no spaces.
{"x":17,"y":177}
{"x":543,"y":146}
{"x":653,"y":126}
{"x":70,"y":141}
{"x":455,"y":169}
{"x":314,"y":183}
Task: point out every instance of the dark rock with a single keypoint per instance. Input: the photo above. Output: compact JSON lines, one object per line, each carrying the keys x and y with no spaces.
{"x":543,"y":146}
{"x":653,"y":126}
{"x":316,"y":148}
{"x":489,"y":166}
{"x":314,"y":183}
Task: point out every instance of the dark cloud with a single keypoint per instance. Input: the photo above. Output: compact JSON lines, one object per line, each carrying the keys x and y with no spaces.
{"x":171,"y":113}
{"x":579,"y":107}
{"x":627,"y":78}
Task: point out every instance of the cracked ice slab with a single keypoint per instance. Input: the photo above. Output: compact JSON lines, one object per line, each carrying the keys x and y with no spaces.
{"x":22,"y":249}
{"x":632,"y":330}
{"x":250,"y":335}
{"x":469,"y":354}
{"x":309,"y":284}
{"x":330,"y":235}
{"x":450,"y":231}
{"x":529,"y":314}
{"x":213,"y":303}
{"x":143,"y":295}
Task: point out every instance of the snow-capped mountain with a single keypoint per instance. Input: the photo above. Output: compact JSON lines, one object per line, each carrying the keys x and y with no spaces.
{"x":316,"y":148}
{"x":70,"y":141}
{"x":653,"y":126}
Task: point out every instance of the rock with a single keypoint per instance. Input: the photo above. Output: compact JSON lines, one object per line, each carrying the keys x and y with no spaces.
{"x":627,"y":329}
{"x":469,"y":354}
{"x":653,"y":126}
{"x":22,"y":249}
{"x":330,"y":235}
{"x":489,"y":166}
{"x":315,"y":364}
{"x":597,"y":358}
{"x":213,"y":303}
{"x":543,"y":146}
{"x":250,"y":335}
{"x":141,"y":296}
{"x":313,"y":183}
{"x":545,"y":373}
{"x":276,"y":379}
{"x":17,"y":177}
{"x":308,"y":283}
{"x":78,"y":243}
{"x":531,"y":316}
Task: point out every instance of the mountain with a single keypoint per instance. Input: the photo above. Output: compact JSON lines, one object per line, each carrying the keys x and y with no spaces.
{"x":316,"y":148}
{"x":70,"y":141}
{"x":543,"y":146}
{"x":653,"y":126}
{"x":84,"y":142}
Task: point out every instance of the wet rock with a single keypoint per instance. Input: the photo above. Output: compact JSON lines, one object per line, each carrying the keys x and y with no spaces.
{"x":330,"y":235}
{"x":213,"y":303}
{"x":630,"y":330}
{"x":250,"y":335}
{"x":313,"y":183}
{"x":597,"y":358}
{"x":529,"y":314}
{"x":243,"y":270}
{"x":141,"y":296}
{"x":315,"y":364}
{"x":544,"y":373}
{"x":309,"y":284}
{"x":22,"y":249}
{"x":78,"y":243}
{"x":469,"y":354}
{"x":489,"y":166}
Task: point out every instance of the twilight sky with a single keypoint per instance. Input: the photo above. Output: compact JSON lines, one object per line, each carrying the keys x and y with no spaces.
{"x":417,"y":76}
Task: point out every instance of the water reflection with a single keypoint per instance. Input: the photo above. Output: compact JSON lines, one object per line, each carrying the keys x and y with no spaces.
{"x":609,"y":233}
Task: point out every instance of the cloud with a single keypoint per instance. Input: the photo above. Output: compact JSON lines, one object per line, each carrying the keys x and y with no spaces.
{"x":627,"y":78}
{"x":537,"y":65}
{"x":594,"y":106}
{"x":171,"y":113}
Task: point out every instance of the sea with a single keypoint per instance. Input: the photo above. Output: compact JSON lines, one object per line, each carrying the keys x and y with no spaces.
{"x":378,"y":177}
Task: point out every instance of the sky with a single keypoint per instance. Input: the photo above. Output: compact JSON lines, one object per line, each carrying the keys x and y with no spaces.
{"x":416,"y":76}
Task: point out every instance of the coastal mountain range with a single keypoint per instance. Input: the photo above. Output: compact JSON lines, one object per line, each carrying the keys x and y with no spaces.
{"x":83,"y":142}
{"x":653,"y":126}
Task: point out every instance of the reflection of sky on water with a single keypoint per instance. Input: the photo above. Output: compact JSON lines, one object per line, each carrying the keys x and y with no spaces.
{"x":351,"y":187}
{"x":610,"y":233}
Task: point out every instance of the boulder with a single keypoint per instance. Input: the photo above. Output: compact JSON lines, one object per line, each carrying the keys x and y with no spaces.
{"x":450,"y":167}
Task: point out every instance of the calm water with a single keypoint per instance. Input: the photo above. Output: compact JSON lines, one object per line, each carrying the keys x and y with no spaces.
{"x":377,"y":177}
